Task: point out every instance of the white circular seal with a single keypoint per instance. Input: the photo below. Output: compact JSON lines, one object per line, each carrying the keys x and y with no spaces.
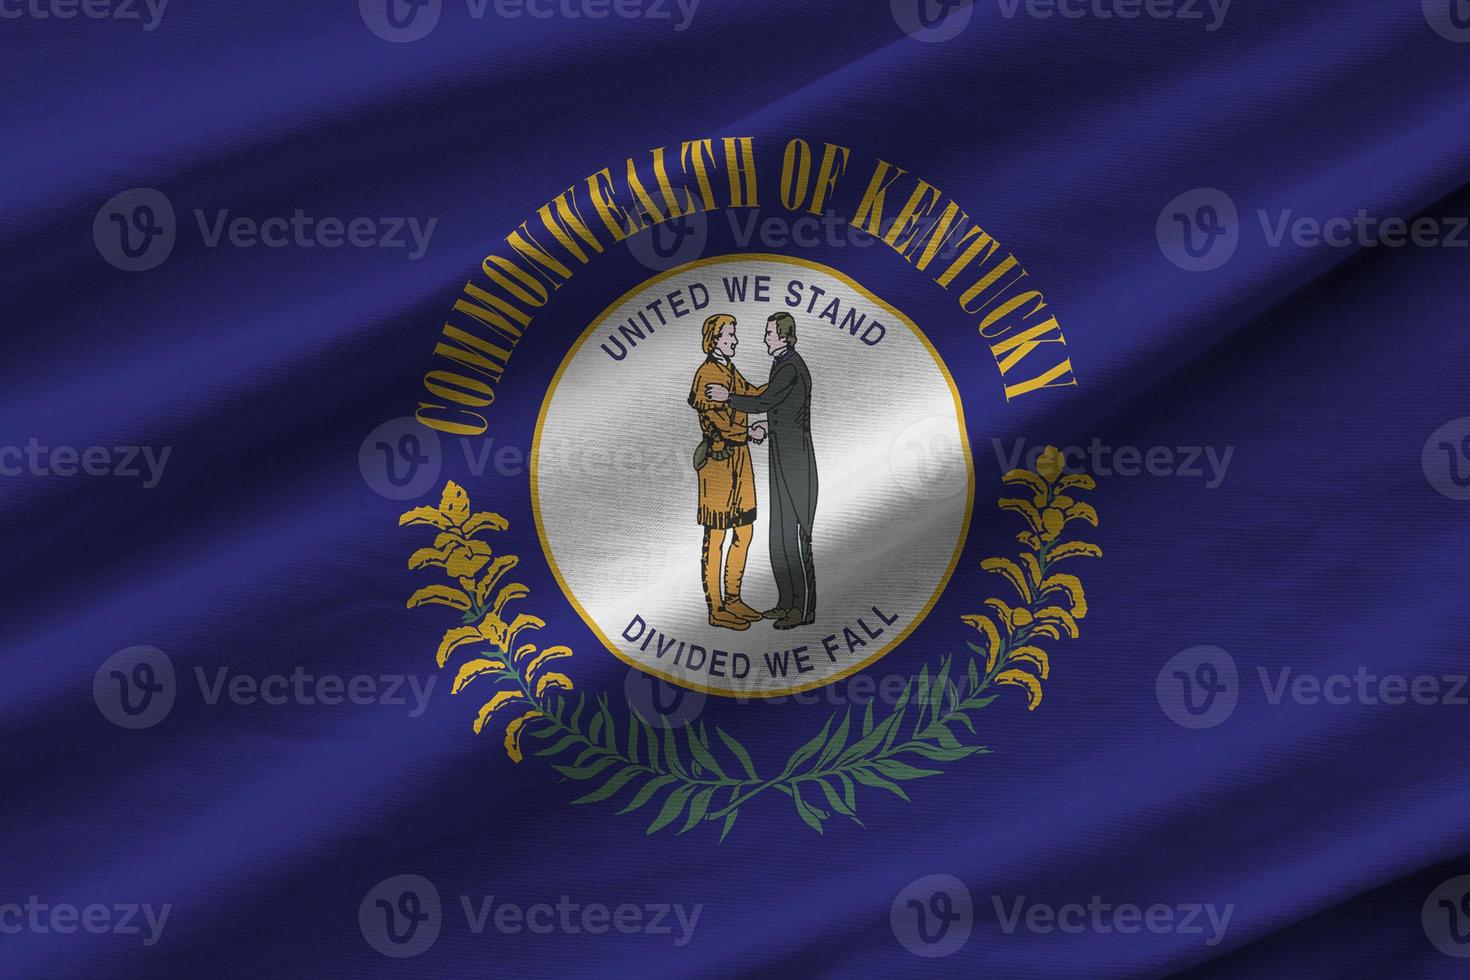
{"x":836,"y":489}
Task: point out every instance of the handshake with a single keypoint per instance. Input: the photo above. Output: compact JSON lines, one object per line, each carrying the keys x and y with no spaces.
{"x":721,"y":394}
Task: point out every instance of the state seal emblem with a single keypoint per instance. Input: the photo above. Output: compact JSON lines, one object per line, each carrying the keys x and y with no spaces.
{"x":799,"y":546}
{"x":749,"y":476}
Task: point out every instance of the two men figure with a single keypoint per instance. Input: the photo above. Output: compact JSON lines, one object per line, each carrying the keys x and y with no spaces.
{"x":724,"y":400}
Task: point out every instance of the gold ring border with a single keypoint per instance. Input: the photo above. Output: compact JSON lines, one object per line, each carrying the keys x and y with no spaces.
{"x":964,"y":443}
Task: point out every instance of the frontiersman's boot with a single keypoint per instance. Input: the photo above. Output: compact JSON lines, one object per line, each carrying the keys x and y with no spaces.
{"x":735,"y":571}
{"x":718,"y":616}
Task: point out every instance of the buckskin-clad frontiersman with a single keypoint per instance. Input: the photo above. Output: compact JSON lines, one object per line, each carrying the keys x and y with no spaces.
{"x":726,"y":479}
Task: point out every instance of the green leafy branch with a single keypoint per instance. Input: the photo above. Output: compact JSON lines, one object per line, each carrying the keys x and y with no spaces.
{"x":820,"y":777}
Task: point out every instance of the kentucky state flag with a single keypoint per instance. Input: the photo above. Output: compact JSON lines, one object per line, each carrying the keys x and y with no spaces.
{"x":545,"y":488}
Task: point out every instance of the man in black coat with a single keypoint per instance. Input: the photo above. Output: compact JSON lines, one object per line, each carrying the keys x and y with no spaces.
{"x":787,"y":404}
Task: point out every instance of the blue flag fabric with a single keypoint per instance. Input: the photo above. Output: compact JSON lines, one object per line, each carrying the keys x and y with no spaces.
{"x":401,"y":447}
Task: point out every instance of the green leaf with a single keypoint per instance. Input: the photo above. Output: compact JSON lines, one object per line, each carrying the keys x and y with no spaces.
{"x":561,"y":746}
{"x":737,"y":750}
{"x":650,"y":738}
{"x":619,"y":780}
{"x":698,"y":808}
{"x":872,"y":779}
{"x":808,"y":813}
{"x":671,"y":750}
{"x":646,"y":793}
{"x":611,"y":726}
{"x":945,"y":754}
{"x":595,"y":729}
{"x":673,"y":806}
{"x":899,"y":710}
{"x":849,"y":796}
{"x":868,"y":719}
{"x":865,"y":746}
{"x":810,"y":748}
{"x":833,"y":800}
{"x":729,"y":822}
{"x":633,"y":728}
{"x":837,"y":743}
{"x":587,"y":755}
{"x":587,"y":771}
{"x":894,"y":769}
{"x":702,"y":755}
